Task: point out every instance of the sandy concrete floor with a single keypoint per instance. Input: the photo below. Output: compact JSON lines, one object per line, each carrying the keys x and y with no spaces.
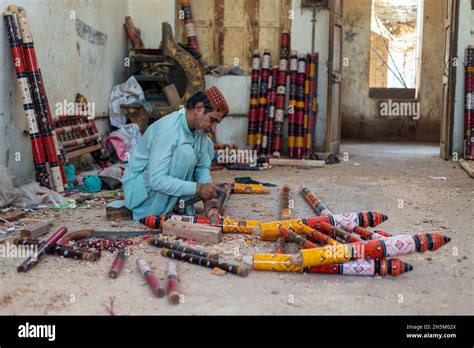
{"x":375,"y":177}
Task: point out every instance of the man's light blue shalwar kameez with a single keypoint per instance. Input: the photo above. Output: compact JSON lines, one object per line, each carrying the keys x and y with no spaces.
{"x":166,"y":165}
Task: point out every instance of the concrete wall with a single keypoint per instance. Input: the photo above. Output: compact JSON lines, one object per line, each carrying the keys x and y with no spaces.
{"x":360,"y":114}
{"x":465,"y":38}
{"x":148,"y":16}
{"x":69,"y":64}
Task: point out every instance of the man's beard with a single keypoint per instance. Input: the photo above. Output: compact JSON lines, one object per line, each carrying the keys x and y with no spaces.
{"x":204,"y":131}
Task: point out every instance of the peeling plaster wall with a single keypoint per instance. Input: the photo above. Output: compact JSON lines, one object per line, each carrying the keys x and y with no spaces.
{"x":69,"y":64}
{"x":360,"y":114}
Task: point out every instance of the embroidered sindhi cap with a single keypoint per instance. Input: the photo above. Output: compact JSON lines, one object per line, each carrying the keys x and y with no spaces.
{"x":217,"y":100}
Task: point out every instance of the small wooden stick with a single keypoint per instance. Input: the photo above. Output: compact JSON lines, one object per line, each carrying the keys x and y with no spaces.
{"x":173,"y":284}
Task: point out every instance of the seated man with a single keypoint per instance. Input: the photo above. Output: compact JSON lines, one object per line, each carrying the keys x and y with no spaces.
{"x":172,"y":160}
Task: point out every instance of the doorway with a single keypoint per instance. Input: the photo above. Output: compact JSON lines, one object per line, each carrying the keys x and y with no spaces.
{"x":395,"y":84}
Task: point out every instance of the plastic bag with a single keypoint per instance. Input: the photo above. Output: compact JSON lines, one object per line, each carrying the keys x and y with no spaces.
{"x":33,"y":193}
{"x":9,"y":197}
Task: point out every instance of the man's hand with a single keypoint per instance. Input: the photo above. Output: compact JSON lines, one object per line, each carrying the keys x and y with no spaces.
{"x":206,"y":191}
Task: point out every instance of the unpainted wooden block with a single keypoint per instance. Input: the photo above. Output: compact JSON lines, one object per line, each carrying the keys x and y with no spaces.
{"x":37,"y":230}
{"x":123,"y":213}
{"x":198,"y":232}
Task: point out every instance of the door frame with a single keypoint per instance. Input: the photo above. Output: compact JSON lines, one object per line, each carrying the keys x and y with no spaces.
{"x":449,"y":86}
{"x":333,"y":121}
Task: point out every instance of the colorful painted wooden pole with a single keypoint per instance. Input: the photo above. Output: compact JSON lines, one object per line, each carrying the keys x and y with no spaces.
{"x":209,"y":263}
{"x":81,"y":141}
{"x":249,"y":188}
{"x":34,"y":259}
{"x":62,"y":158}
{"x":286,"y":210}
{"x":253,"y":109}
{"x":150,"y":278}
{"x":39,"y":100}
{"x":61,"y":155}
{"x":318,"y":206}
{"x":189,"y":25}
{"x":347,"y":236}
{"x":268,"y":231}
{"x":273,"y":262}
{"x":181,"y":247}
{"x":74,"y":128}
{"x":63,"y":250}
{"x":118,"y":263}
{"x":374,"y":249}
{"x":350,"y":221}
{"x":314,"y":234}
{"x":283,"y":263}
{"x":312,"y":104}
{"x":239,"y":226}
{"x":228,"y":225}
{"x":367,"y":234}
{"x":382,"y":233}
{"x":152,"y":221}
{"x":28,"y":106}
{"x":291,"y":236}
{"x":292,"y":104}
{"x":336,"y":232}
{"x":380,"y":267}
{"x":299,"y":115}
{"x":307,"y":83}
{"x":469,"y":105}
{"x":281,"y":95}
{"x":262,"y":99}
{"x":281,"y":243}
{"x":270,"y":115}
{"x":383,"y":267}
{"x":173,"y":288}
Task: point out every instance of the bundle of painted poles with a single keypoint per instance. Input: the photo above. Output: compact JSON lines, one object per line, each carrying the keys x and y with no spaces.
{"x":231,"y":157}
{"x":268,"y":107}
{"x":48,"y":156}
{"x":78,"y":134}
{"x":338,"y":243}
{"x":52,"y":246}
{"x":469,"y":112}
{"x":173,"y":289}
{"x":329,"y":243}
